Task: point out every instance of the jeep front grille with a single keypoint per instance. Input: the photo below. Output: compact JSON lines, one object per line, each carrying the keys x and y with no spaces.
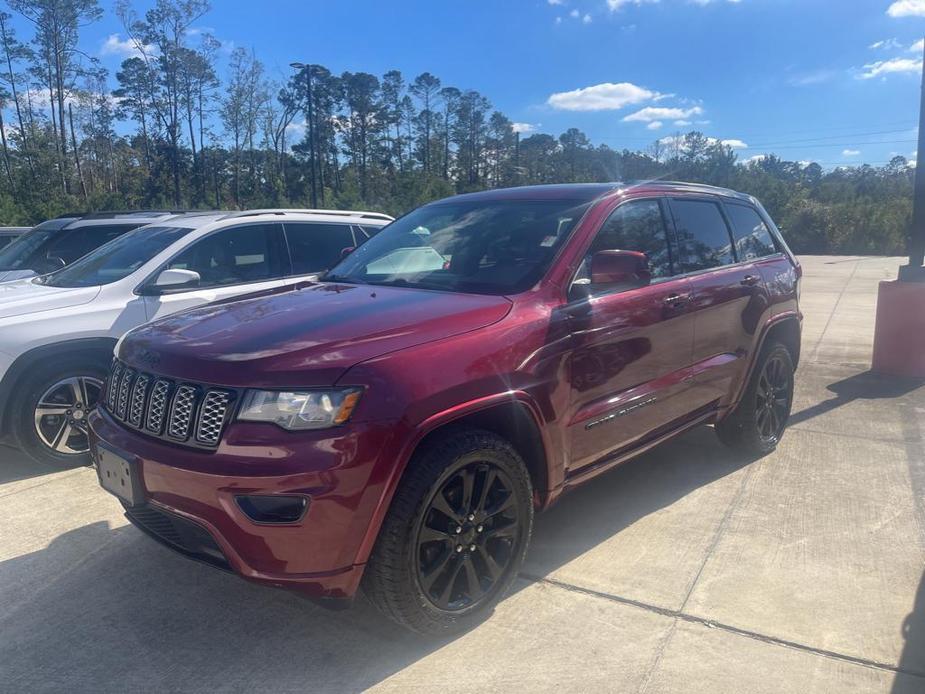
{"x":190,"y":413}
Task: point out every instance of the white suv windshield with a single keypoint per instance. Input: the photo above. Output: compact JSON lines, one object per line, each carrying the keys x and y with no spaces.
{"x":117,"y":259}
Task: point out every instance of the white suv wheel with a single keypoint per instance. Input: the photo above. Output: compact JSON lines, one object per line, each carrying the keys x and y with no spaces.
{"x":61,"y":414}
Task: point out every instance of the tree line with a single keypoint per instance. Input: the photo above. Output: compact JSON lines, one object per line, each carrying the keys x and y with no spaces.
{"x":172,"y":129}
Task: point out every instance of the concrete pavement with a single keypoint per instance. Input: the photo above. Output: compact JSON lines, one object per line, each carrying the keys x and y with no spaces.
{"x":687,"y":570}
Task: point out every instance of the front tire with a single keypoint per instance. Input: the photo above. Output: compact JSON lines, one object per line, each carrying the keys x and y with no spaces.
{"x":455,"y":535}
{"x":757,"y":424}
{"x":51,"y":426}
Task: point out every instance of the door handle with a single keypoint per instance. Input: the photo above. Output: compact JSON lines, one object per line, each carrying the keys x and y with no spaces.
{"x":750,"y":280}
{"x":675,"y":300}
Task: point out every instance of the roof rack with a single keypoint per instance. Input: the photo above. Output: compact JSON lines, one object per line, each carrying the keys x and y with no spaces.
{"x":334,"y":213}
{"x":705,"y":187}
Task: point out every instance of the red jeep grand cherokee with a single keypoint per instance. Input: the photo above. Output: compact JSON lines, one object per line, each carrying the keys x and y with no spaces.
{"x":398,"y":423}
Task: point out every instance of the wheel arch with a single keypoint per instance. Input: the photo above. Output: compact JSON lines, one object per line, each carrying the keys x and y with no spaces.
{"x":22,"y":366}
{"x":784,"y":328}
{"x":513,"y":416}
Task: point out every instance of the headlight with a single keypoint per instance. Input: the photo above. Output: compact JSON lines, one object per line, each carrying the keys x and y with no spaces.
{"x":300,"y":410}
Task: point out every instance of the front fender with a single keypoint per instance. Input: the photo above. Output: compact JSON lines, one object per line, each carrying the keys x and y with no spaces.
{"x":407,"y":443}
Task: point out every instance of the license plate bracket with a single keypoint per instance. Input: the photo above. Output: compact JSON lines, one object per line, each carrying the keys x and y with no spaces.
{"x":118,"y":474}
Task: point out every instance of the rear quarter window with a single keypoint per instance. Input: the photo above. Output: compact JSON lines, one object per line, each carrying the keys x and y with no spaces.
{"x":752,"y":237}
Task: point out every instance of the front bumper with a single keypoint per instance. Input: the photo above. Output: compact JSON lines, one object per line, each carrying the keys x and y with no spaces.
{"x":340,"y":471}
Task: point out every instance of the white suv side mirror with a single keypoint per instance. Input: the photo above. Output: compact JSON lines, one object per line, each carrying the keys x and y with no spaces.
{"x":176,"y":278}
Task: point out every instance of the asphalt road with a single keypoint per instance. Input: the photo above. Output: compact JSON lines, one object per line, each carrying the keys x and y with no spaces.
{"x":686,"y":570}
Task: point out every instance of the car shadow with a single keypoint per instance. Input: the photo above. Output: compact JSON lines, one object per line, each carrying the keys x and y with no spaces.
{"x":126,"y":613}
{"x":16,"y":466}
{"x":863,"y":386}
{"x":913,"y":633}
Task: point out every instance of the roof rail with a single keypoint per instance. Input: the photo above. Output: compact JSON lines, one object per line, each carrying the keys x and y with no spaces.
{"x":334,"y":213}
{"x":706,"y":187}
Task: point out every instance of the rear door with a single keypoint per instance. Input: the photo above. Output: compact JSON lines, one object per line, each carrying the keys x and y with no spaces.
{"x":631,"y":353}
{"x":729,"y":296}
{"x":235,"y":260}
{"x":315,"y":248}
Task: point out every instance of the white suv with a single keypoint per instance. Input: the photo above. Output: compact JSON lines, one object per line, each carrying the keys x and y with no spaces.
{"x":58,"y":331}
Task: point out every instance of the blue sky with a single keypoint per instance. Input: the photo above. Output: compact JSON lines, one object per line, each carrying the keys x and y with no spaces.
{"x":833,"y":81}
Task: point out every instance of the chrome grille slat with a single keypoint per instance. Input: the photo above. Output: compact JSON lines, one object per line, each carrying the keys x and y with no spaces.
{"x":157,"y":406}
{"x":115,"y":378}
{"x":125,"y":385}
{"x":181,"y":412}
{"x":212,"y":416}
{"x":136,"y":408}
{"x":192,"y":414}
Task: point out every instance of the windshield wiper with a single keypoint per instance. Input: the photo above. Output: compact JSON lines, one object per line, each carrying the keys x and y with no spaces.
{"x":328,"y":277}
{"x":402,"y":282}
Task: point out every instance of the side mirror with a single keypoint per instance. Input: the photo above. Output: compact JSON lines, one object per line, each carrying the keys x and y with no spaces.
{"x":620,"y":267}
{"x":174,"y":279}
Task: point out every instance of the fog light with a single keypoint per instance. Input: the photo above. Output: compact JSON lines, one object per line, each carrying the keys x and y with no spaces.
{"x":274,"y":508}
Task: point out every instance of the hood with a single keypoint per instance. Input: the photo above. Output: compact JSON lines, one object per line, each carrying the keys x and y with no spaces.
{"x":7,"y":275}
{"x":21,"y":297}
{"x":305,"y":336}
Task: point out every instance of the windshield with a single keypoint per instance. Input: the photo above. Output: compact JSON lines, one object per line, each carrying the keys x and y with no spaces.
{"x":21,"y":253}
{"x":497,"y":247}
{"x":117,"y":259}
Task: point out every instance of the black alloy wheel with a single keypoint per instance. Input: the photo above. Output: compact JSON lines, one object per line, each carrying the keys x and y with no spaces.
{"x":467,"y":536}
{"x":773,"y":395}
{"x":456,"y":533}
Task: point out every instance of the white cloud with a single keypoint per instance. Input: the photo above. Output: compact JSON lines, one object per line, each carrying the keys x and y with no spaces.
{"x":574,"y":13}
{"x":297,"y":129}
{"x":810,"y":78}
{"x":885,"y":44}
{"x":683,"y":123}
{"x":893,"y":65}
{"x":558,"y":20}
{"x":654,"y":125}
{"x":524,"y":128}
{"x":678,"y":141}
{"x":652,"y":113}
{"x":586,"y":19}
{"x":755,"y":159}
{"x":907,"y":8}
{"x":129,"y":48}
{"x":616,"y":5}
{"x":918,"y":46}
{"x":555,"y":2}
{"x":601,"y":97}
{"x":850,"y":152}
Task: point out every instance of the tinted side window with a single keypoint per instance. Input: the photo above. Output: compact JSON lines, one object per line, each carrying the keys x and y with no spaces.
{"x":702,"y":234}
{"x":369,"y":231}
{"x":637,"y":226}
{"x":71,"y":245}
{"x":237,"y":255}
{"x":752,"y":236}
{"x":316,"y":247}
{"x":6,"y":241}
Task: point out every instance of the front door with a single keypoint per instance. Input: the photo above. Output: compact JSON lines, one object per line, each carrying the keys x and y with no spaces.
{"x":631,"y":348}
{"x":232,"y":261}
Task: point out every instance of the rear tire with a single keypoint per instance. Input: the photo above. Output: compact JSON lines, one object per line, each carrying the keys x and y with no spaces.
{"x":455,"y":535}
{"x":756,"y":425}
{"x":51,"y":418}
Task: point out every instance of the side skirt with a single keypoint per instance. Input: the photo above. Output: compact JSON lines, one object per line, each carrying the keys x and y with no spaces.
{"x":586,"y":473}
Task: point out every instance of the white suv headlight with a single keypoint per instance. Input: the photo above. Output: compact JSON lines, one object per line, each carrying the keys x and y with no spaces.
{"x":300,"y":410}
